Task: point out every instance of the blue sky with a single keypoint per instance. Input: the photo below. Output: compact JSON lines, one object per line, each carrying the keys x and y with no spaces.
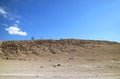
{"x":56,"y":19}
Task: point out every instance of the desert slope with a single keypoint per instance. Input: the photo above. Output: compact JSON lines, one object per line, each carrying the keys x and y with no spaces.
{"x":59,"y":59}
{"x":30,"y":48}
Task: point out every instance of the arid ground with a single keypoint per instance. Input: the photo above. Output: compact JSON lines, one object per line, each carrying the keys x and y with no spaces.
{"x":59,"y":59}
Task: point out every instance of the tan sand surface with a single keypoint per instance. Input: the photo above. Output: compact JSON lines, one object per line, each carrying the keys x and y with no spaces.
{"x":89,"y":60}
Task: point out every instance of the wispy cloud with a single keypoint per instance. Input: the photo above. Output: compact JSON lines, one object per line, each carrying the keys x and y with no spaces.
{"x":4,"y":25}
{"x":14,"y":30}
{"x":9,"y":15}
{"x":2,"y":11}
{"x":17,"y":21}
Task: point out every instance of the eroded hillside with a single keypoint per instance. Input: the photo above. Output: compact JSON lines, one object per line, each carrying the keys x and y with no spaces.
{"x":71,"y":47}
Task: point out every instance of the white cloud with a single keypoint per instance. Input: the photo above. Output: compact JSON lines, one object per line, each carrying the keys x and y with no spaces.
{"x":14,"y":30}
{"x":2,"y":11}
{"x":17,"y":21}
{"x":4,"y":16}
{"x":10,"y":16}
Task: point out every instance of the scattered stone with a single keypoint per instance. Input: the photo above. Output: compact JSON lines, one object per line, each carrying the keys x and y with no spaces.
{"x":58,"y":64}
{"x":7,"y":58}
{"x":53,"y":65}
{"x":70,"y":58}
{"x":49,"y":59}
{"x":41,"y":67}
{"x":35,"y":59}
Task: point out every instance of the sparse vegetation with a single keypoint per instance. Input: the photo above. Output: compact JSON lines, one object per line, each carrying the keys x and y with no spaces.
{"x":32,"y":38}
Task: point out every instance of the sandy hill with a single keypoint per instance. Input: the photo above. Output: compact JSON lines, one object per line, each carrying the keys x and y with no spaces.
{"x":59,"y":59}
{"x":70,"y":48}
